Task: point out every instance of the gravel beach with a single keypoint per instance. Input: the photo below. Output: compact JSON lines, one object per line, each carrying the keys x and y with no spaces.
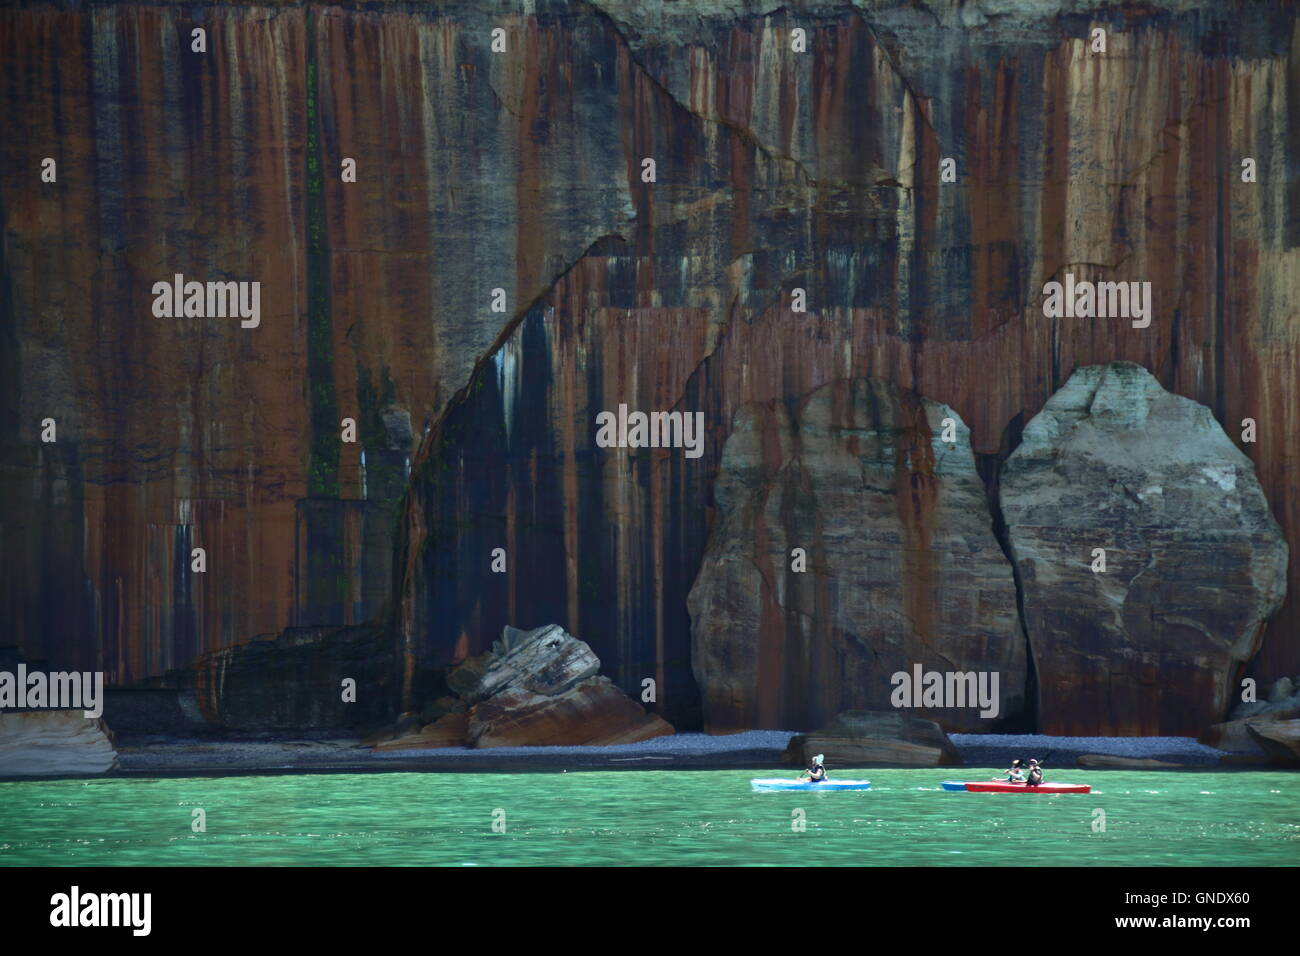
{"x":760,"y":749}
{"x":997,"y":749}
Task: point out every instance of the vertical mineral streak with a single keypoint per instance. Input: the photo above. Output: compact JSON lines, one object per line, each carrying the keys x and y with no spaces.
{"x":776,"y":170}
{"x":323,"y":480}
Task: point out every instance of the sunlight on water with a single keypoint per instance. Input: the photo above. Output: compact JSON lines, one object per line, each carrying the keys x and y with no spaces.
{"x":650,"y":818}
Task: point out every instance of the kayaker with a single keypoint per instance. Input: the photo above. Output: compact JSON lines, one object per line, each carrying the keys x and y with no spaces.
{"x":816,"y":773}
{"x":1035,"y":776}
{"x":1016,"y":774}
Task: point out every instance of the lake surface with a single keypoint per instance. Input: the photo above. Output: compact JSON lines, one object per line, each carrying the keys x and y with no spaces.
{"x":645,"y":817}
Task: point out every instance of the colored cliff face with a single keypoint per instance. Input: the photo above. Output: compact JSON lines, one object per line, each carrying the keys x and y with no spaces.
{"x":475,"y":172}
{"x":1066,"y":165}
{"x":1147,"y":554}
{"x":899,"y":565}
{"x":776,"y":169}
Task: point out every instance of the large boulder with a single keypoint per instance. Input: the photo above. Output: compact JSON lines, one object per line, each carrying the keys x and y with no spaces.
{"x":1235,"y":736}
{"x":407,"y":723}
{"x":1282,"y":691}
{"x":1282,"y":697}
{"x":1195,"y":563}
{"x":1113,"y":762}
{"x":54,"y":743}
{"x":449,"y":730}
{"x":858,"y":738}
{"x":542,"y":688}
{"x":902,"y":565}
{"x":546,"y":661}
{"x":1229,"y":735}
{"x":1279,"y":739}
{"x":591,"y":713}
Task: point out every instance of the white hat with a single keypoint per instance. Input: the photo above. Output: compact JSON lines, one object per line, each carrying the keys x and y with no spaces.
{"x":819,"y":758}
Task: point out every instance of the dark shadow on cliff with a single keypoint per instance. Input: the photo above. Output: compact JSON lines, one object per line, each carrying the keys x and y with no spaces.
{"x":990,"y":470}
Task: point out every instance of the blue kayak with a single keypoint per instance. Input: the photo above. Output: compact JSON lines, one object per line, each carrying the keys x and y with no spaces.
{"x":954,"y":785}
{"x":777,"y":783}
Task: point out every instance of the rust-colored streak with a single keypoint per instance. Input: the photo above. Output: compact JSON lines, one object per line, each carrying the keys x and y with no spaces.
{"x":916,"y":498}
{"x":766,"y":710}
{"x":1122,"y":168}
{"x":530,"y":233}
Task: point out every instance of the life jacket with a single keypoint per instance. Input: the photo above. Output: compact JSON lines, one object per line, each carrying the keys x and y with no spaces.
{"x":1035,"y":776}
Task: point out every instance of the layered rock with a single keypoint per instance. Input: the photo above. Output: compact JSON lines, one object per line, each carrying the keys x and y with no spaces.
{"x":900,"y":565}
{"x":777,"y":170}
{"x":592,"y":712}
{"x":545,"y":661}
{"x":819,"y":171}
{"x":1281,"y":702}
{"x":1280,"y":739}
{"x":449,"y":730}
{"x":1235,"y":736}
{"x":1194,"y":561}
{"x":858,"y":738}
{"x":55,"y":743}
{"x":482,"y":172}
{"x":1283,"y":695}
{"x":542,"y":688}
{"x":297,"y":681}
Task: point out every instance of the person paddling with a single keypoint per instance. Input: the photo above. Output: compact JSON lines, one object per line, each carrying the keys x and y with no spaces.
{"x":816,"y":773}
{"x":1035,"y":775}
{"x":1016,"y":773}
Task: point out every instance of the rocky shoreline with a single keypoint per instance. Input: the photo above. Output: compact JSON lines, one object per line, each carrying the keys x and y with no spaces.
{"x":536,"y":701}
{"x":155,"y":756}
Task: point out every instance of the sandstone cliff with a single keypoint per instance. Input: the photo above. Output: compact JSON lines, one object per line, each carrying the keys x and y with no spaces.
{"x":776,"y":170}
{"x":900,"y":564}
{"x":1147,"y":554}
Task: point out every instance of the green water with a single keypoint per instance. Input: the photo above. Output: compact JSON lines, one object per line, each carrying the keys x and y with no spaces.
{"x":649,"y":818}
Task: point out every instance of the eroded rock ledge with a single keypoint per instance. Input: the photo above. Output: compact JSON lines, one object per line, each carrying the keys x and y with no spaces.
{"x":55,"y":743}
{"x":861,"y":738}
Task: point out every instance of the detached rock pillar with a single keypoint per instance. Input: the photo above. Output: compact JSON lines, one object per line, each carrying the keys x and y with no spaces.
{"x":1194,"y":562}
{"x":877,"y":487}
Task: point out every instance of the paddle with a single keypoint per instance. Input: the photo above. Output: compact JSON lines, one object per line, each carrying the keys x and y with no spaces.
{"x":1041,"y":764}
{"x":808,"y":773}
{"x":1006,"y":778}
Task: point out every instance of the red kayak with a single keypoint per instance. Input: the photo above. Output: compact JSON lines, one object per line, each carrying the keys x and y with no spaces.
{"x":1005,"y":786}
